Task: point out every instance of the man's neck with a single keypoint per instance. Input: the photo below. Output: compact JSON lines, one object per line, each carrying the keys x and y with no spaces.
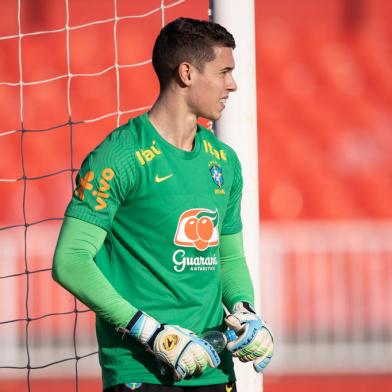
{"x":173,"y":120}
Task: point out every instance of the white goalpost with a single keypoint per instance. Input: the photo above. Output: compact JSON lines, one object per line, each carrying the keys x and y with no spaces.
{"x":46,"y":333}
{"x":238,"y":127}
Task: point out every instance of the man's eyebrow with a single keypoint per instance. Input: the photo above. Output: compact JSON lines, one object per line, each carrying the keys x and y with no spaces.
{"x":227,"y":68}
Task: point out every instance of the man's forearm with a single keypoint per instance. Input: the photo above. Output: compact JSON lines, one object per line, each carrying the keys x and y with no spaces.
{"x":74,"y":268}
{"x":236,"y":282}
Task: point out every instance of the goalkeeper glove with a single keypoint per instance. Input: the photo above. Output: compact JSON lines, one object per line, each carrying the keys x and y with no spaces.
{"x":180,"y":348}
{"x":255,"y":341}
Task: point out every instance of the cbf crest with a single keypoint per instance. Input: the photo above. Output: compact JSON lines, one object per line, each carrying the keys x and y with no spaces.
{"x":216,"y":174}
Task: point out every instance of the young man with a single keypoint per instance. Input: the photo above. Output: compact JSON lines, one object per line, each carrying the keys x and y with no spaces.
{"x":151,"y":240}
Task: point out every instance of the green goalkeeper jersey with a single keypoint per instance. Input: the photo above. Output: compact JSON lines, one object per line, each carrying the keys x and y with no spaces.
{"x":164,"y":210}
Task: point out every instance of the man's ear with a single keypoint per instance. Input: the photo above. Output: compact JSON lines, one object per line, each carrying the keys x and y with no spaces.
{"x":184,"y":73}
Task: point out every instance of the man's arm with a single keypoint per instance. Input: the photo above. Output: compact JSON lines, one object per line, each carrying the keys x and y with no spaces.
{"x":236,"y":282}
{"x":254,"y":342}
{"x":74,"y":268}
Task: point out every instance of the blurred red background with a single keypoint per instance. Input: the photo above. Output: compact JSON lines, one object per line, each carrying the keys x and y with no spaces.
{"x":324,"y":90}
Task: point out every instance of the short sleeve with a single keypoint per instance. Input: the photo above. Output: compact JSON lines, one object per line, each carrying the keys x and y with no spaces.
{"x":103,"y":182}
{"x":232,"y":221}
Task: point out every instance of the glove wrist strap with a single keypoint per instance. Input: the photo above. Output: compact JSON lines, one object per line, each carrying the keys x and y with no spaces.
{"x":143,"y":328}
{"x":150,"y":341}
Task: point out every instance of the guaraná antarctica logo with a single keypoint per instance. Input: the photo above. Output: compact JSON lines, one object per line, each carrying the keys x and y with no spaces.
{"x":197,"y":228}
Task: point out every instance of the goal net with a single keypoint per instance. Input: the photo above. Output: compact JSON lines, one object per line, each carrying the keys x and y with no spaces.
{"x":70,"y":72}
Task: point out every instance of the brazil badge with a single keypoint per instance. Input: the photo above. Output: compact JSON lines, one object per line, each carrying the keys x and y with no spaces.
{"x":217,"y":175}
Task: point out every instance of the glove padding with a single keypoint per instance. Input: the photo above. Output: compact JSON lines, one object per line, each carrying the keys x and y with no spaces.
{"x":181,"y":349}
{"x":254,"y":340}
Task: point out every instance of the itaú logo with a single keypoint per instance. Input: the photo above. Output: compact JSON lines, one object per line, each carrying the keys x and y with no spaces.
{"x":197,"y":228}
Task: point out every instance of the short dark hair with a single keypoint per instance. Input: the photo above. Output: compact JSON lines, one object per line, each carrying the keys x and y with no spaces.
{"x":186,"y":39}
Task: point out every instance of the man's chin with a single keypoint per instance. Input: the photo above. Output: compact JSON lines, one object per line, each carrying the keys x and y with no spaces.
{"x":214,"y":117}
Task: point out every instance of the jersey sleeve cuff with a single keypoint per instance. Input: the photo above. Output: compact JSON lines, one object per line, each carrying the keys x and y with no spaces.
{"x":87,"y":218}
{"x":229,"y":230}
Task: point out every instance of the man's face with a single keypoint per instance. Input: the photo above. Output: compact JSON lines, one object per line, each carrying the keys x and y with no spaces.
{"x":211,"y":87}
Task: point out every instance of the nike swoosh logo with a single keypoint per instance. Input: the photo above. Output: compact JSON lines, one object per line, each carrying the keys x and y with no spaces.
{"x":228,"y":389}
{"x":161,"y":179}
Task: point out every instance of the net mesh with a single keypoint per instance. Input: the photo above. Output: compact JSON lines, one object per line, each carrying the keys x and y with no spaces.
{"x":70,"y":72}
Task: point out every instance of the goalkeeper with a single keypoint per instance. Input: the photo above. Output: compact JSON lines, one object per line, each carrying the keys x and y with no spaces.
{"x":151,"y":240}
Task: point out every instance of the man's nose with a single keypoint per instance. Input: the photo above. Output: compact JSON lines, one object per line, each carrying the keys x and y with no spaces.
{"x":232,"y":85}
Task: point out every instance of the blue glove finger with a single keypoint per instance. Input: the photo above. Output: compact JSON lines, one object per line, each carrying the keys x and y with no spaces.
{"x":180,"y":371}
{"x":260,"y":365}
